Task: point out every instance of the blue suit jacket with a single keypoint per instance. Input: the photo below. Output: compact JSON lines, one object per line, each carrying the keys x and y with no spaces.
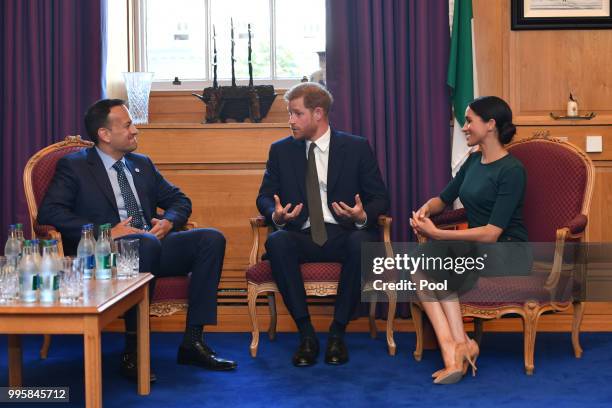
{"x":352,"y":169}
{"x":81,"y":193}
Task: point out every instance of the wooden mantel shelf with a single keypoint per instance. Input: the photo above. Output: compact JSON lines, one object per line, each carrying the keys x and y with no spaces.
{"x":546,"y":120}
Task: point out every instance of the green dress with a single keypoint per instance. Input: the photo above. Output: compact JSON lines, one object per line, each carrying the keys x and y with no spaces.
{"x":491,"y":193}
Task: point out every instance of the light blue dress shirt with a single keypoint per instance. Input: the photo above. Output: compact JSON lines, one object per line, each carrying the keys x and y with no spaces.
{"x":112,"y":176}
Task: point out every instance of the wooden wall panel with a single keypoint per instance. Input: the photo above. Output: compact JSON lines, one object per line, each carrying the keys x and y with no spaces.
{"x":600,"y":220}
{"x":223,"y":199}
{"x":548,"y":65}
{"x":212,"y":144}
{"x":575,"y":135}
{"x":488,"y":32}
{"x":534,"y":70}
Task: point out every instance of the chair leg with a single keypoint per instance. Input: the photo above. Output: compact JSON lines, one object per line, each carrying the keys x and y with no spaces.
{"x":530,"y":322}
{"x":576,"y":322}
{"x":391,"y":346}
{"x":273,"y":316}
{"x":478,"y":330}
{"x":44,"y":350}
{"x":252,"y":301}
{"x":417,"y":319}
{"x":372,"y":318}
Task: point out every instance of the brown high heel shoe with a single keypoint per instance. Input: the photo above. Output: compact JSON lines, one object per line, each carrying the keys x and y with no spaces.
{"x":455,"y":373}
{"x":474,"y":351}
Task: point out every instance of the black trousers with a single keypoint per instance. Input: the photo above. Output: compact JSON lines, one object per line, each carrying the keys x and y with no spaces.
{"x":199,"y":252}
{"x":286,"y":250}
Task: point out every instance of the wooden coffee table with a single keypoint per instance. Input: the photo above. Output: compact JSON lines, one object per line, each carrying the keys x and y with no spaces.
{"x":103,"y":302}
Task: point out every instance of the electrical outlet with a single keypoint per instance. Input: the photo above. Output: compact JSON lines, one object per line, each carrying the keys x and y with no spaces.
{"x":594,"y":144}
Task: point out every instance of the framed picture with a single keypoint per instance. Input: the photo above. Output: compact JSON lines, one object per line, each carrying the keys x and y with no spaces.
{"x":561,"y":14}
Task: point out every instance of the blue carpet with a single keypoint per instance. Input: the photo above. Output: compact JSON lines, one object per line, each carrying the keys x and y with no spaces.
{"x":371,"y":378}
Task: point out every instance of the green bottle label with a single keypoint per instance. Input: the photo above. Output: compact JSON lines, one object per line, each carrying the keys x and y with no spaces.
{"x":105,"y":261}
{"x":55,"y":282}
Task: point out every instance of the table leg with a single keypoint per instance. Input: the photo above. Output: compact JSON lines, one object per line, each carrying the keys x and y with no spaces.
{"x":144,"y":352}
{"x":14,"y":358}
{"x":93,"y":362}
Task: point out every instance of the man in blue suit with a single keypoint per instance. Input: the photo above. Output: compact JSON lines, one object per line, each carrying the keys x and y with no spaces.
{"x":323,"y":192}
{"x":108,"y":183}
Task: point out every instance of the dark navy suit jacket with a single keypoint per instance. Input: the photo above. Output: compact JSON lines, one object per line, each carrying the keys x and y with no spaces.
{"x":352,"y":169}
{"x":81,"y":193}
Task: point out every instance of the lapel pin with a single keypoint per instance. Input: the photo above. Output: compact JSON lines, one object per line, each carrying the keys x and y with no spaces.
{"x":137,"y":170}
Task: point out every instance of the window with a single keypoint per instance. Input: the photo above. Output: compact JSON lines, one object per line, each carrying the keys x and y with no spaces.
{"x":178,"y":38}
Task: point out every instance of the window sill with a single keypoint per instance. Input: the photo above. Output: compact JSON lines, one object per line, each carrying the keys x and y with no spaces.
{"x":193,"y":86}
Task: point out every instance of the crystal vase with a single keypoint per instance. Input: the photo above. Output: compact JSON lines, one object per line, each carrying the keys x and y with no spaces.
{"x":138,"y":86}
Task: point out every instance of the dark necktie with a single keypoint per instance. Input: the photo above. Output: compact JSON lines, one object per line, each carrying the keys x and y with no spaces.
{"x":131,"y":205}
{"x":313,"y":194}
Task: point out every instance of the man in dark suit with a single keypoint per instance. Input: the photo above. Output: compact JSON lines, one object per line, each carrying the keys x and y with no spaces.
{"x":108,"y":183}
{"x":323,"y":191}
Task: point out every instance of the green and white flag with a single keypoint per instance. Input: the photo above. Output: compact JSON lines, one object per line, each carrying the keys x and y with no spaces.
{"x":462,"y":78}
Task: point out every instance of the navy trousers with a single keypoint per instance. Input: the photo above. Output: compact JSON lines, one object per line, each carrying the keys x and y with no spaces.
{"x":199,"y":252}
{"x":286,"y":250}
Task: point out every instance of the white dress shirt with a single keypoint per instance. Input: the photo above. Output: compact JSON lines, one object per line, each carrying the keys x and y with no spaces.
{"x":321,"y":152}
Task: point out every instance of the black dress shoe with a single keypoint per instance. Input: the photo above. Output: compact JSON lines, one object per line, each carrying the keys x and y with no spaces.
{"x":129,"y":367}
{"x":336,"y":352}
{"x":199,"y":354}
{"x":307,"y":352}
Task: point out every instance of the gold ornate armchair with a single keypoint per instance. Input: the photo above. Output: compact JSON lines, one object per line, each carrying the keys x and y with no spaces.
{"x":170,"y":294}
{"x":37,"y":176}
{"x":320,"y":279}
{"x":560,"y":179}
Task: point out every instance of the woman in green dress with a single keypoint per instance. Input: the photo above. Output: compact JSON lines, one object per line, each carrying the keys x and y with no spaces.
{"x":491,"y":187}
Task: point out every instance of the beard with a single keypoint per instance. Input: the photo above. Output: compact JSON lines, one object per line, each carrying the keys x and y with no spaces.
{"x":304,"y":133}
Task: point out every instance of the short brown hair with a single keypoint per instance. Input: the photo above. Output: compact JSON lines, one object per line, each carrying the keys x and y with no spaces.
{"x":315,"y":95}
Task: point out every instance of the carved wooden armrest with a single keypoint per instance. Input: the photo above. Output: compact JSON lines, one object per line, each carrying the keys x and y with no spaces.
{"x":573,"y":230}
{"x":577,"y":225}
{"x":562,"y":235}
{"x":189,"y":225}
{"x":46,"y":231}
{"x":256,"y":224}
{"x":49,"y":232}
{"x":451,"y":218}
{"x":446,"y":220}
{"x":384,"y":221}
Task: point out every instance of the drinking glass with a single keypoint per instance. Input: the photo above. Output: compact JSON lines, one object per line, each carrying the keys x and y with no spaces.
{"x":124,"y":266}
{"x":9,"y":281}
{"x":71,"y":280}
{"x":129,"y":258}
